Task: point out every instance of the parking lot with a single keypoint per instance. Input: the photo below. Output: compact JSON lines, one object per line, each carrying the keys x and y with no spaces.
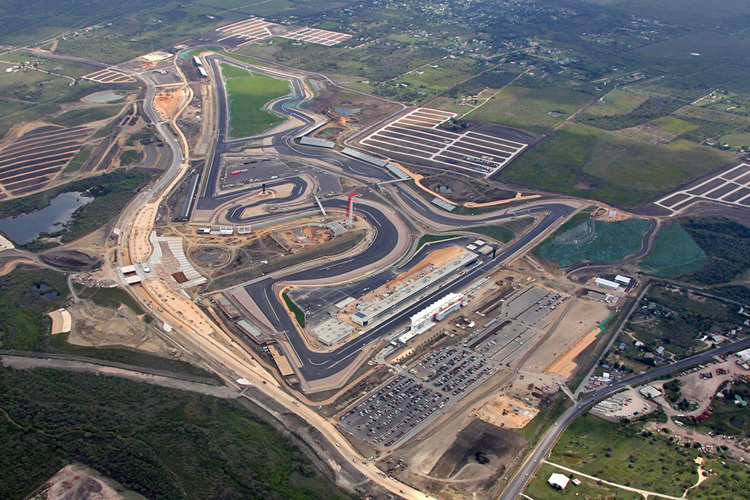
{"x":407,"y":402}
{"x":31,"y":161}
{"x":731,"y":187}
{"x":417,"y":135}
{"x":314,"y":35}
{"x":237,"y":173}
{"x":256,"y":28}
{"x":247,"y":31}
{"x":109,"y":76}
{"x":523,"y":316}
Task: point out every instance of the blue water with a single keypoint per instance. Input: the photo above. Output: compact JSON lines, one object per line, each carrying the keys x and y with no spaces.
{"x":26,"y":228}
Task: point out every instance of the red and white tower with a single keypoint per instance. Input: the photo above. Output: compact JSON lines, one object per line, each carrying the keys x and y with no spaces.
{"x":350,"y":211}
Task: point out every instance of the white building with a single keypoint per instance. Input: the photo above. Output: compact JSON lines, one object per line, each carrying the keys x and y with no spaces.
{"x":649,"y":391}
{"x":437,"y":311}
{"x":401,"y":299}
{"x":559,"y":481}
{"x":606,"y":283}
{"x":623,"y":279}
{"x":744,"y":355}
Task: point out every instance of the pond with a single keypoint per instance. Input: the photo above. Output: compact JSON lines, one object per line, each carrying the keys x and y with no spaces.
{"x":50,"y":295}
{"x":347,"y":111}
{"x":104,"y":96}
{"x":28,"y":227}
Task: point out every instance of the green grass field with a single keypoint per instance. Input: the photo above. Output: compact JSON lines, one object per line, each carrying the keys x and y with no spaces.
{"x":741,"y":139}
{"x":588,"y":490}
{"x":674,"y":253}
{"x":593,"y":163}
{"x":609,"y":242}
{"x":76,"y":163}
{"x":629,"y":455}
{"x":538,"y":110}
{"x":498,"y":233}
{"x":429,"y":238}
{"x":299,"y":314}
{"x":621,"y":455}
{"x":248,"y":93}
{"x":615,"y":103}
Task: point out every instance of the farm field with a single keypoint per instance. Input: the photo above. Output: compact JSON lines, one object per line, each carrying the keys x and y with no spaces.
{"x":538,"y":110}
{"x":30,"y":94}
{"x":25,"y":26}
{"x":247,"y":94}
{"x":617,"y":102}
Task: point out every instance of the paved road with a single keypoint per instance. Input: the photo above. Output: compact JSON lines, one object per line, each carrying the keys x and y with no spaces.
{"x":155,"y":377}
{"x":647,"y":244}
{"x":315,"y":365}
{"x":519,"y":482}
{"x":284,"y":106}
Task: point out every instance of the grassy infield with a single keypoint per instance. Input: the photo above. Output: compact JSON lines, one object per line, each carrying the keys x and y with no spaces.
{"x":248,"y":93}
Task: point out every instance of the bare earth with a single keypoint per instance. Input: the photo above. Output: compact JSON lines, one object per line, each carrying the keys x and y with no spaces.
{"x":78,"y":482}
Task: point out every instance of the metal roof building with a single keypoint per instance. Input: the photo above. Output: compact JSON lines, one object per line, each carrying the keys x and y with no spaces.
{"x":559,"y":481}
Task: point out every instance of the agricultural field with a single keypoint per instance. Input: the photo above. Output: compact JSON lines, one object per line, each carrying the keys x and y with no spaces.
{"x":247,"y":94}
{"x":617,"y":102}
{"x":138,"y":32}
{"x":674,"y":253}
{"x":594,"y":240}
{"x":536,"y":109}
{"x":42,"y":88}
{"x":739,"y":139}
{"x":434,"y":79}
{"x":23,"y":24}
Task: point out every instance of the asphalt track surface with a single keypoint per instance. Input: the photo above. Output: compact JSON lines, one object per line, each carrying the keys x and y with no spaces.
{"x":284,"y":106}
{"x":317,"y":365}
{"x":519,"y":482}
